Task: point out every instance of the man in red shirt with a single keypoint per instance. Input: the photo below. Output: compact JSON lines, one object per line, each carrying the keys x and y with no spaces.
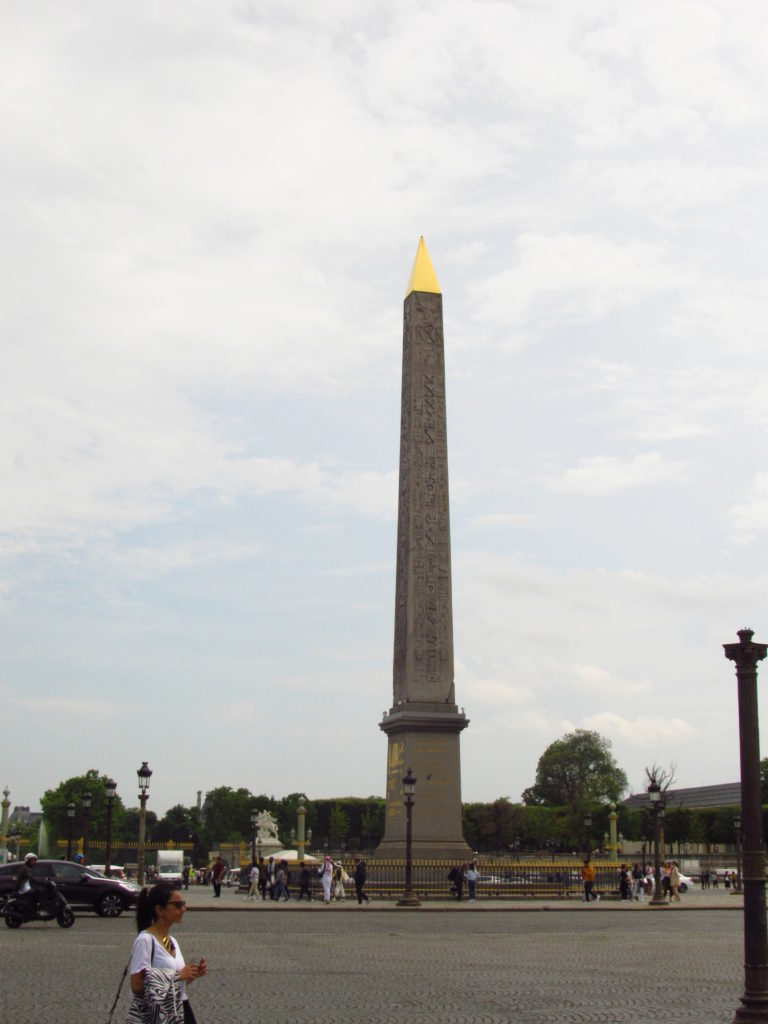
{"x":216,"y":875}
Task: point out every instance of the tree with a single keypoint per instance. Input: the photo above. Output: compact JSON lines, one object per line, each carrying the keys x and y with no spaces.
{"x":338,"y":828}
{"x":764,"y":780}
{"x":179,"y":824}
{"x":577,"y":770}
{"x":54,"y":806}
{"x":227,"y":815}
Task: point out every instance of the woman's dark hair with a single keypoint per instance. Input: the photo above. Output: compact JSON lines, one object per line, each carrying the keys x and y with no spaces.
{"x":149,"y":900}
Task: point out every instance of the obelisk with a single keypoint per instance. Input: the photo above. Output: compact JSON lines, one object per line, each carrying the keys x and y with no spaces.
{"x":424,"y":722}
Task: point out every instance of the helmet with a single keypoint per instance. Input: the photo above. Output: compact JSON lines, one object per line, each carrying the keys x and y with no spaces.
{"x":29,"y":857}
{"x":79,"y":857}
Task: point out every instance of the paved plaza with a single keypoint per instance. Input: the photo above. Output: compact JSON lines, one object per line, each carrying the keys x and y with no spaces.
{"x":375,"y":964}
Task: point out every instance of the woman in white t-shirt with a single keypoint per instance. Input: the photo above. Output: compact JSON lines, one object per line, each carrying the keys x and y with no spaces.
{"x":158,"y":972}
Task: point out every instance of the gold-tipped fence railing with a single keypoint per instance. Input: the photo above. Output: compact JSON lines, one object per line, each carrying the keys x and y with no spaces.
{"x":502,"y":879}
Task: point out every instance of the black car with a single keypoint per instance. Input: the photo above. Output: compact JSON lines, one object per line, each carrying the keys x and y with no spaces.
{"x":80,"y":886}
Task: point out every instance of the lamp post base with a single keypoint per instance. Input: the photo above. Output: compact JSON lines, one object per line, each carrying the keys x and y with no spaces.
{"x":410,"y":899}
{"x":754,"y":1009}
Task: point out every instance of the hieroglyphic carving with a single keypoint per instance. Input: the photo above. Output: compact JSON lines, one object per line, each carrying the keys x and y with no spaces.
{"x":423,"y":654}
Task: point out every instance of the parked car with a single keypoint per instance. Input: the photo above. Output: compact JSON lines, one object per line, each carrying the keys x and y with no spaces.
{"x":115,"y":871}
{"x":81,"y":887}
{"x":686,"y":882}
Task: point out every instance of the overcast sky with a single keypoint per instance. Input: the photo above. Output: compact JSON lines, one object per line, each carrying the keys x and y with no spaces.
{"x":209,"y":214}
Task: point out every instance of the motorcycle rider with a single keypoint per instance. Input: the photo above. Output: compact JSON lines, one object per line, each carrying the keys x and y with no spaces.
{"x":24,"y":889}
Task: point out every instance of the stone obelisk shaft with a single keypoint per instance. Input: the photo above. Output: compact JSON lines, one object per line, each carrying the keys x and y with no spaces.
{"x":424,"y":722}
{"x":423,"y":660}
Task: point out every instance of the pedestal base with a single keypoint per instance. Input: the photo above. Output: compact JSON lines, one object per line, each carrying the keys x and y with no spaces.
{"x":425,"y":737}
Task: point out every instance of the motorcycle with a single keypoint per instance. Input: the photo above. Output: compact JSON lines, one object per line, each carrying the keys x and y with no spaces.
{"x":50,"y":904}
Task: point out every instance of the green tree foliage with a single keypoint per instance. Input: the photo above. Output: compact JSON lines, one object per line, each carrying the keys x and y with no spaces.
{"x":338,"y":826}
{"x":228,"y":815}
{"x":764,"y":779}
{"x":129,"y":825}
{"x":54,"y":806}
{"x":577,"y":770}
{"x":178,"y":824}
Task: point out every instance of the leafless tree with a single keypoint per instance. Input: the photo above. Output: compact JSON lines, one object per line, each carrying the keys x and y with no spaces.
{"x":663,"y":777}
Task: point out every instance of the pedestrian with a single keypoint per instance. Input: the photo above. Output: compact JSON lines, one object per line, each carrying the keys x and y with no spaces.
{"x":280,"y":882}
{"x":649,"y":879}
{"x":472,"y":876}
{"x":638,"y":880}
{"x":588,"y":879}
{"x":625,"y":883}
{"x":665,"y":879}
{"x":159,"y":975}
{"x":361,"y":875}
{"x":254,"y":879}
{"x":452,"y":876}
{"x":272,"y":878}
{"x":674,"y":882}
{"x":216,"y":876}
{"x":339,"y":874}
{"x":326,"y":873}
{"x":185,"y":876}
{"x":461,"y":875}
{"x":306,"y":882}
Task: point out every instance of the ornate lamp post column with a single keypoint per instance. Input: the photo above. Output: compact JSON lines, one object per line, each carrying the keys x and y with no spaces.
{"x":254,"y":820}
{"x":612,"y":826}
{"x":410,"y":899}
{"x":144,"y":773}
{"x":654,"y":795}
{"x":86,"y":818}
{"x":301,"y":815}
{"x":754,"y":1006}
{"x":6,"y":805}
{"x":111,"y":787}
{"x":70,"y":824}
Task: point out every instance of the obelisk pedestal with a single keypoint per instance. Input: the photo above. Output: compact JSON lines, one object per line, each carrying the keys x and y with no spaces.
{"x":424,"y":723}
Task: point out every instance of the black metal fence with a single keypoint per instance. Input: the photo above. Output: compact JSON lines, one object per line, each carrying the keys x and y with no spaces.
{"x":499,"y":879}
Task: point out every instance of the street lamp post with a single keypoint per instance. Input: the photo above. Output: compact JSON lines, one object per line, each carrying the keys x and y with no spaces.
{"x":254,"y":820}
{"x":588,"y":833}
{"x":86,"y":819}
{"x":754,"y":1001}
{"x":145,"y":774}
{"x":111,"y":787}
{"x":409,"y":899}
{"x":654,"y":795}
{"x":737,"y":829}
{"x":70,"y":824}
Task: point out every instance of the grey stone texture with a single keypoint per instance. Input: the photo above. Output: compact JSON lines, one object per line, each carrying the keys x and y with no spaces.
{"x":365,"y":966}
{"x":424,"y":723}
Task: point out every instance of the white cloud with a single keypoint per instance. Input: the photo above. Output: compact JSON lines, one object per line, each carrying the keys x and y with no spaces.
{"x":644,"y":730}
{"x":603,"y":475}
{"x":751,"y":517}
{"x":574,"y":278}
{"x":208,"y":218}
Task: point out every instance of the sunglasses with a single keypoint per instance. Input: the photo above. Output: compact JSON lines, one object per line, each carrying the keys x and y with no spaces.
{"x":176,"y":903}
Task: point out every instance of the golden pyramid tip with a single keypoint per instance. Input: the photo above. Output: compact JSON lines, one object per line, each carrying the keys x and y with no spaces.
{"x":423,"y":277}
